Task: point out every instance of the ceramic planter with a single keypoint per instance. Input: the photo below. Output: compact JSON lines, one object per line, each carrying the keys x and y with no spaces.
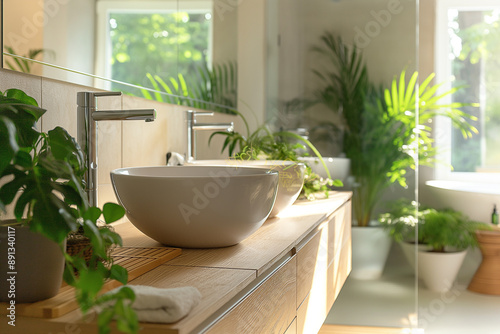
{"x":38,"y":266}
{"x":370,"y":248}
{"x":439,"y":270}
{"x":409,"y":251}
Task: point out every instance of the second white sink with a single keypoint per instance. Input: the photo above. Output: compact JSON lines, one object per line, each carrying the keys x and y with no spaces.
{"x":291,"y":177}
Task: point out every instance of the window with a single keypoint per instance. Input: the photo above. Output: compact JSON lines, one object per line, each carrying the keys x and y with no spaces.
{"x":137,"y":38}
{"x":468,"y":54}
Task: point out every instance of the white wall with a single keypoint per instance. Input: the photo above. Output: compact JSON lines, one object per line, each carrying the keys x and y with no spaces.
{"x":70,"y":33}
{"x":225,"y":31}
{"x":252,"y":61}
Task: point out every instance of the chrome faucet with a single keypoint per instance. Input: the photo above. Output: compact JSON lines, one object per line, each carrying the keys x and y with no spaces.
{"x":193,"y":126}
{"x":87,"y":118}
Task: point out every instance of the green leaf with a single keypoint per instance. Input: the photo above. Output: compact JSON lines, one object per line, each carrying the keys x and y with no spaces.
{"x":119,"y":273}
{"x":9,"y":190}
{"x":127,"y":293}
{"x":23,"y":159}
{"x":8,"y":142}
{"x":104,"y":319}
{"x":338,"y":183}
{"x":111,"y":237}
{"x":69,"y":274}
{"x":20,"y":96}
{"x":91,"y":282}
{"x":64,"y":147}
{"x":112,"y":212}
{"x":47,"y":220}
{"x":93,"y":213}
{"x":91,"y":231}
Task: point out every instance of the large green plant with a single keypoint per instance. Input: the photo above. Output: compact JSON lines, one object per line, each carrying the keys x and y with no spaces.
{"x":47,"y":169}
{"x":382,"y":137}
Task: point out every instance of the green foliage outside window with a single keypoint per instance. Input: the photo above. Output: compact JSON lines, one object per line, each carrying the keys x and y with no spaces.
{"x":477,"y":64}
{"x":165,"y":44}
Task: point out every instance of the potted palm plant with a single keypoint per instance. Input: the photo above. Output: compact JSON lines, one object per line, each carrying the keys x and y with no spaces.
{"x":42,"y":179}
{"x":381,"y":135}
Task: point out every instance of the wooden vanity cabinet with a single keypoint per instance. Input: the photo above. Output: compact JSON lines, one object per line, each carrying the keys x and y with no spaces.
{"x":323,"y":264}
{"x":298,"y":296}
{"x":268,"y":309}
{"x":282,"y":279}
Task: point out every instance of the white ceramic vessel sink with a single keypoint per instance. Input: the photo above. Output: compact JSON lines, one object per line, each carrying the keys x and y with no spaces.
{"x":291,"y":177}
{"x":196,"y":206}
{"x":338,"y":167}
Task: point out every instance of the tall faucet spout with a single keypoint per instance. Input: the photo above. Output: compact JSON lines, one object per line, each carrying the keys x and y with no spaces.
{"x":87,"y":119}
{"x":193,"y":126}
{"x":214,"y":126}
{"x":147,"y":115}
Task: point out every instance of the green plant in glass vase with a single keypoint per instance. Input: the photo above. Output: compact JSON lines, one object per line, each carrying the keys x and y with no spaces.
{"x":42,"y":179}
{"x":386,"y":130}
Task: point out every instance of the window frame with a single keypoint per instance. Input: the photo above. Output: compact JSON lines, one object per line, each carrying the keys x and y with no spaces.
{"x":443,"y":72}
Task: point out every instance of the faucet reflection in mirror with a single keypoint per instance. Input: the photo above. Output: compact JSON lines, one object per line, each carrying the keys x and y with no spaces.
{"x":193,"y":126}
{"x":87,"y":118}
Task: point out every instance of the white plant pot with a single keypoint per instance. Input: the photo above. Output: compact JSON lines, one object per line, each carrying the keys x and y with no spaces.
{"x":370,"y":248}
{"x":439,"y":270}
{"x":339,"y":168}
{"x":409,"y":251}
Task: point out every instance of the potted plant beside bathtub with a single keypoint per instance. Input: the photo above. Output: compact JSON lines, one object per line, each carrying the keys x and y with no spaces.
{"x":380,"y":138}
{"x":448,"y":234}
{"x":443,"y":239}
{"x":41,"y":179}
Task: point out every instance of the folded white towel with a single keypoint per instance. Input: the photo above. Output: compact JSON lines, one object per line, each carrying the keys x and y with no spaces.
{"x":163,"y":305}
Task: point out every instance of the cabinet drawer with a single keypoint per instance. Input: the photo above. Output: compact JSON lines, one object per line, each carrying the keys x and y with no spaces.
{"x":312,"y":313}
{"x":339,"y":231}
{"x":270,"y":308}
{"x":322,"y":250}
{"x":292,"y":329}
{"x":338,"y":272}
{"x":312,"y":263}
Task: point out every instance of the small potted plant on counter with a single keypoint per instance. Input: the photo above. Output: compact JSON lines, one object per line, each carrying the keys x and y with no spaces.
{"x":41,"y":181}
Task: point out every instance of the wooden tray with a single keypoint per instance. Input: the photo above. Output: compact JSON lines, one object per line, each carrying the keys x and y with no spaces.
{"x":137,"y":260}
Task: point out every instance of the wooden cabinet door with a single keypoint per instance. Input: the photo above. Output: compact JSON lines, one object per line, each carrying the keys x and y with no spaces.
{"x":271,"y":308}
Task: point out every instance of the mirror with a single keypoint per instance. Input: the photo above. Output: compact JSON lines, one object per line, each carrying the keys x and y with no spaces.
{"x":174,"y":47}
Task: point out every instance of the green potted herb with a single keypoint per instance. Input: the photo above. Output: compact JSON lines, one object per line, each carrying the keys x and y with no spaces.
{"x":41,"y":176}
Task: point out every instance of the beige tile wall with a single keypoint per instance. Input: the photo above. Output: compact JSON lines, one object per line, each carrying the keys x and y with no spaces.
{"x":120,"y":143}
